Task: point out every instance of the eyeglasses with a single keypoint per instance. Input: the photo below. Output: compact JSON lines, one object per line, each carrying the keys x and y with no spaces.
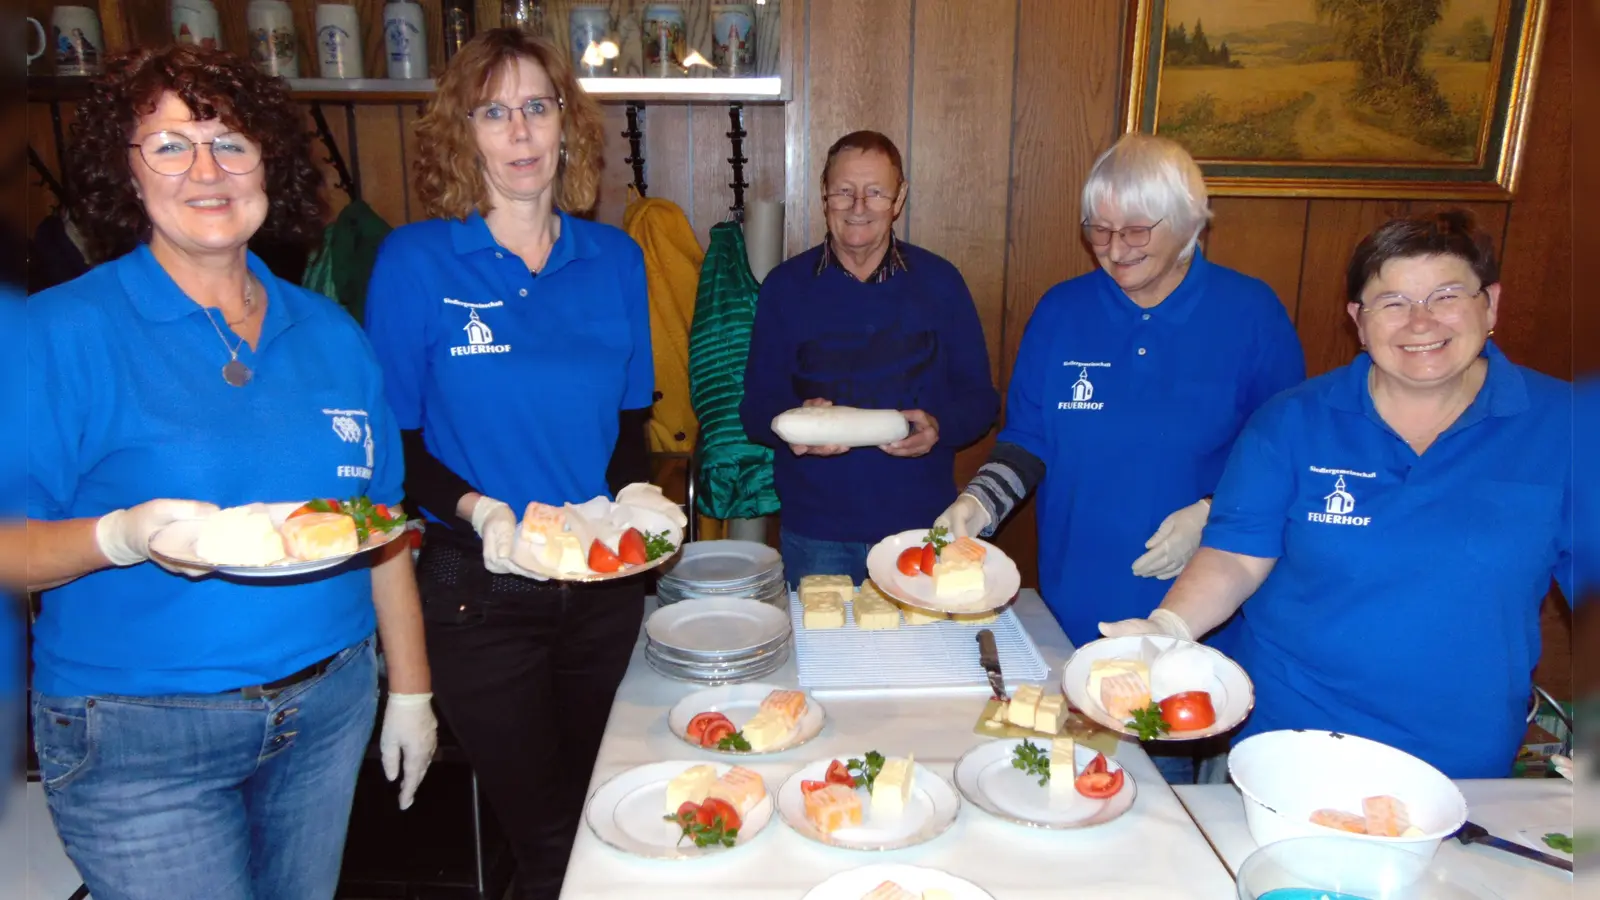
{"x":1132,"y":235}
{"x":1394,"y":309}
{"x":497,"y":116}
{"x":875,"y":198}
{"x":170,"y":153}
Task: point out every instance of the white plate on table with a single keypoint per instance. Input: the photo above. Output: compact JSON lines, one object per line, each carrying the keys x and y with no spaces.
{"x":618,"y":519}
{"x":718,"y":627}
{"x":628,"y":812}
{"x":855,"y":883}
{"x":739,"y":702}
{"x":176,"y":543}
{"x":929,"y":813}
{"x":986,"y":777}
{"x":1001,"y":580}
{"x":1232,"y":694}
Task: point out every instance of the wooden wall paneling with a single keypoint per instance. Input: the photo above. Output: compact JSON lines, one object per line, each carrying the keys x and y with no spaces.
{"x":712,"y":193}
{"x":799,"y":187}
{"x":382,"y":161}
{"x":409,"y":114}
{"x":374,"y":63}
{"x":1263,"y":238}
{"x":616,"y":174}
{"x":305,"y":36}
{"x":859,"y":71}
{"x":1537,"y":298}
{"x":669,"y":154}
{"x":1070,"y":50}
{"x":337,"y":128}
{"x":115,"y":36}
{"x":1333,"y":229}
{"x":764,"y":145}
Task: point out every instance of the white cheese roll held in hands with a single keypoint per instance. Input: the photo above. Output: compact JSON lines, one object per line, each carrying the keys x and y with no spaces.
{"x":819,"y":428}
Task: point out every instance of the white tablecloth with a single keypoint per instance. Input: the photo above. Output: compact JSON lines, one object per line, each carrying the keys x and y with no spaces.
{"x":33,"y":864}
{"x":1503,"y":806}
{"x":1154,"y":851}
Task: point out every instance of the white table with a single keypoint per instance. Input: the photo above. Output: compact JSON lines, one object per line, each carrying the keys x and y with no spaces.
{"x":33,"y":864}
{"x":1504,"y":806}
{"x":1154,"y":851}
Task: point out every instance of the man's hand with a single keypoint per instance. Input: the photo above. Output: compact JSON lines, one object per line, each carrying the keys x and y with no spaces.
{"x":924,"y":434}
{"x":818,"y":449}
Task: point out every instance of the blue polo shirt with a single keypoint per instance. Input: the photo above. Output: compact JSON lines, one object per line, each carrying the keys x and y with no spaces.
{"x":515,"y":378}
{"x":1133,"y":412}
{"x":126,"y":403}
{"x":1404,"y":605}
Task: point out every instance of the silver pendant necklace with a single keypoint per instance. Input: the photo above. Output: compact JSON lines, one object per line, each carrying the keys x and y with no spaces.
{"x":234,"y":372}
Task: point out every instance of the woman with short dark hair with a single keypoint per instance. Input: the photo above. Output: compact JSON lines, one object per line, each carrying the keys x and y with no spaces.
{"x":1395,"y":524}
{"x":198,"y":735}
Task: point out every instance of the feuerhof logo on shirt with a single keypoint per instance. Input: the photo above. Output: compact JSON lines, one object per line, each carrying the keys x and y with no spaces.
{"x":1338,"y":507}
{"x":351,"y":431}
{"x":480,"y":337}
{"x":1083,"y":388}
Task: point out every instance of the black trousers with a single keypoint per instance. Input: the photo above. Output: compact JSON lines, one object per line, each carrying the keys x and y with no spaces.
{"x":525,"y":673}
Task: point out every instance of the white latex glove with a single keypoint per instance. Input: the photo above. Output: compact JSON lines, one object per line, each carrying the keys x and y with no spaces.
{"x":496,"y":524}
{"x":964,"y":518}
{"x":1563,"y":765}
{"x":123,"y":535}
{"x":1161,"y":621}
{"x":1169,"y":549}
{"x":409,"y":737}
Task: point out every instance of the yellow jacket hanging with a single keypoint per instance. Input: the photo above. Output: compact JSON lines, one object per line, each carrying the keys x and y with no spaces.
{"x":672,"y":257}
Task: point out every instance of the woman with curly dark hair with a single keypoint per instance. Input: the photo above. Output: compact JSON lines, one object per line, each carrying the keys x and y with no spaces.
{"x":199,"y":735}
{"x":515,"y":344}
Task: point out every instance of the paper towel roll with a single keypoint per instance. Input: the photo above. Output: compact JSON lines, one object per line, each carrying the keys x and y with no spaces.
{"x":763,"y":235}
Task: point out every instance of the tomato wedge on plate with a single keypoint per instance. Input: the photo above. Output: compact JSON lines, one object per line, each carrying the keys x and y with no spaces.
{"x":698,"y":724}
{"x":602,"y":560}
{"x":929,"y":557}
{"x":838,"y":773}
{"x":716,"y":731}
{"x":1097,"y":782}
{"x":1188,"y":711}
{"x":631,"y":548}
{"x":810,"y":787}
{"x":713,"y":809}
{"x":910,"y":561}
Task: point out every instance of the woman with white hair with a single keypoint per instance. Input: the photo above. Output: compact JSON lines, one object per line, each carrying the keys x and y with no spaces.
{"x":1129,"y":388}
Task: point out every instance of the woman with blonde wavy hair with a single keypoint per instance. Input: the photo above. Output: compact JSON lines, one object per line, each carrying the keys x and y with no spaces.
{"x":514,"y":338}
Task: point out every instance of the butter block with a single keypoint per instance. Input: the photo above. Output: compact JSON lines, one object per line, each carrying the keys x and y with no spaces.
{"x":982,"y":618}
{"x":767,"y":728}
{"x":873,"y":613}
{"x":1051,"y":713}
{"x":690,"y":786}
{"x":1024,"y":705}
{"x":957,"y":576}
{"x":824,"y":612}
{"x":811,"y":585}
{"x":891,"y":790}
{"x":915,"y":616}
{"x":1101,"y":669}
{"x":1063,"y":765}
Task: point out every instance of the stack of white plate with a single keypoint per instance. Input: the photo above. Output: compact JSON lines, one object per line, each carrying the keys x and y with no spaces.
{"x":717,"y":641}
{"x":720,"y":569}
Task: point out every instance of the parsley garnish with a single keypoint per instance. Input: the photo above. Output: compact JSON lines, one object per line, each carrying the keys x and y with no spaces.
{"x":657,"y":545}
{"x":734,"y":741}
{"x":713,"y":835}
{"x":1558,"y":841}
{"x":1031,"y":759}
{"x":866,"y":771}
{"x":939,"y":537}
{"x":1148,"y":723}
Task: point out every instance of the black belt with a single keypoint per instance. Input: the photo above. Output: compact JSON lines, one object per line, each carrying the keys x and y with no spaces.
{"x":271,"y":688}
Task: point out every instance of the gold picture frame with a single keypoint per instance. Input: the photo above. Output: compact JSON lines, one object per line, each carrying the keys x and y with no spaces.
{"x":1308,"y":98}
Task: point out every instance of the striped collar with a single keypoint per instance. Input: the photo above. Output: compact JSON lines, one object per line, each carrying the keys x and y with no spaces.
{"x":893,"y":262}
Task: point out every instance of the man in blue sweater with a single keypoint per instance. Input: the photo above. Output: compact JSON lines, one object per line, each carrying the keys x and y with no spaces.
{"x":868,"y":321}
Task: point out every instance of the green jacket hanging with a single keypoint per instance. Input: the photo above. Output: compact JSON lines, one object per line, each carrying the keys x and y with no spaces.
{"x":342,"y":267}
{"x":735,"y":478}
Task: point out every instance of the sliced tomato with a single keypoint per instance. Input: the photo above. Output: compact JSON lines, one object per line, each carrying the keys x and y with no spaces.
{"x":929,"y":557}
{"x":631,"y":549}
{"x":416,"y":539}
{"x":382,"y":509}
{"x":809,"y":787}
{"x":1188,"y":711}
{"x":686,"y":812}
{"x":602,"y":560}
{"x":1099,"y":785}
{"x":698,"y":724}
{"x":839,"y":773}
{"x":715,"y":732}
{"x":910,"y":561}
{"x":713,"y":809}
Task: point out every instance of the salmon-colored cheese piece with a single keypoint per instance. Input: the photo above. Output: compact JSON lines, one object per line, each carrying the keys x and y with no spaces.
{"x":833,"y":807}
{"x":890,"y":891}
{"x":1386,"y":816}
{"x":741,"y":788}
{"x":1122,"y":694}
{"x":965,"y":548}
{"x":789,"y":704}
{"x":1340,"y":820}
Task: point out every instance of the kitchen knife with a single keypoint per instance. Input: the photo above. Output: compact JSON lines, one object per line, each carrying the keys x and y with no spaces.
{"x":989,"y":658}
{"x":1477,"y":834}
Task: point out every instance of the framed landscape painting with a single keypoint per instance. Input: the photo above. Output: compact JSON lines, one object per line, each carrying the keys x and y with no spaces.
{"x":1340,"y":98}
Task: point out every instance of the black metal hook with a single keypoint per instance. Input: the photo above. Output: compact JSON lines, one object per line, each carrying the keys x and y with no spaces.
{"x":738,"y":159}
{"x":350,"y":184}
{"x":636,"y":153}
{"x":45,"y":177}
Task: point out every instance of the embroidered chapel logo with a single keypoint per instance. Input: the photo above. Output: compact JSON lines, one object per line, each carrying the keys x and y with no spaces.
{"x":480,"y":337}
{"x":1083,"y":388}
{"x":1338,"y":506}
{"x":351,"y":431}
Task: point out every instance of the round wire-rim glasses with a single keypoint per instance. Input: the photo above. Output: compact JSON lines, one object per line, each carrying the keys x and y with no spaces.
{"x":172,"y":154}
{"x":1132,"y":235}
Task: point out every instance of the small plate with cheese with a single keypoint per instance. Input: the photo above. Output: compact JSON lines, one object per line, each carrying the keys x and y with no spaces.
{"x":265,"y":540}
{"x":986,"y":776}
{"x":771,"y":719}
{"x":908,"y":804}
{"x":1136,"y":671}
{"x":974,"y":577}
{"x":599,"y":539}
{"x":896,"y":881}
{"x":632,"y":811}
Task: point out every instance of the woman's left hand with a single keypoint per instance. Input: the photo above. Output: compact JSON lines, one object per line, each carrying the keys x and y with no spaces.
{"x":924,"y":434}
{"x":409,"y":737}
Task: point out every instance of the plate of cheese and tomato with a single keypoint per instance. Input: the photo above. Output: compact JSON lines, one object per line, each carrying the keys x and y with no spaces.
{"x":276,"y":540}
{"x":600,"y":539}
{"x":929,"y":570}
{"x":1156,"y":687}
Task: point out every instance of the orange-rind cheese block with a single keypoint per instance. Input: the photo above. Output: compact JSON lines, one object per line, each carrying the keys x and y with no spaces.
{"x":1339,"y":820}
{"x":1123,"y":693}
{"x":1386,"y":816}
{"x":889,"y":891}
{"x":965,"y":548}
{"x":319,"y":535}
{"x":741,"y":788}
{"x":833,"y":807}
{"x":791,"y":705}
{"x":543,"y":521}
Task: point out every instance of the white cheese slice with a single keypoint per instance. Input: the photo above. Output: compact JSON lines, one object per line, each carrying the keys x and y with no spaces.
{"x":767,"y":728}
{"x":1024,"y":705}
{"x":690,"y":786}
{"x":1049,"y":716}
{"x":892,"y":788}
{"x":1101,"y":669}
{"x":1063,"y":765}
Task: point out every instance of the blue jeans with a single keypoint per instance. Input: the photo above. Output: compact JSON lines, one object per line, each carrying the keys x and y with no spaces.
{"x":804,"y":556}
{"x":1191,"y":762}
{"x":209,"y":796}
